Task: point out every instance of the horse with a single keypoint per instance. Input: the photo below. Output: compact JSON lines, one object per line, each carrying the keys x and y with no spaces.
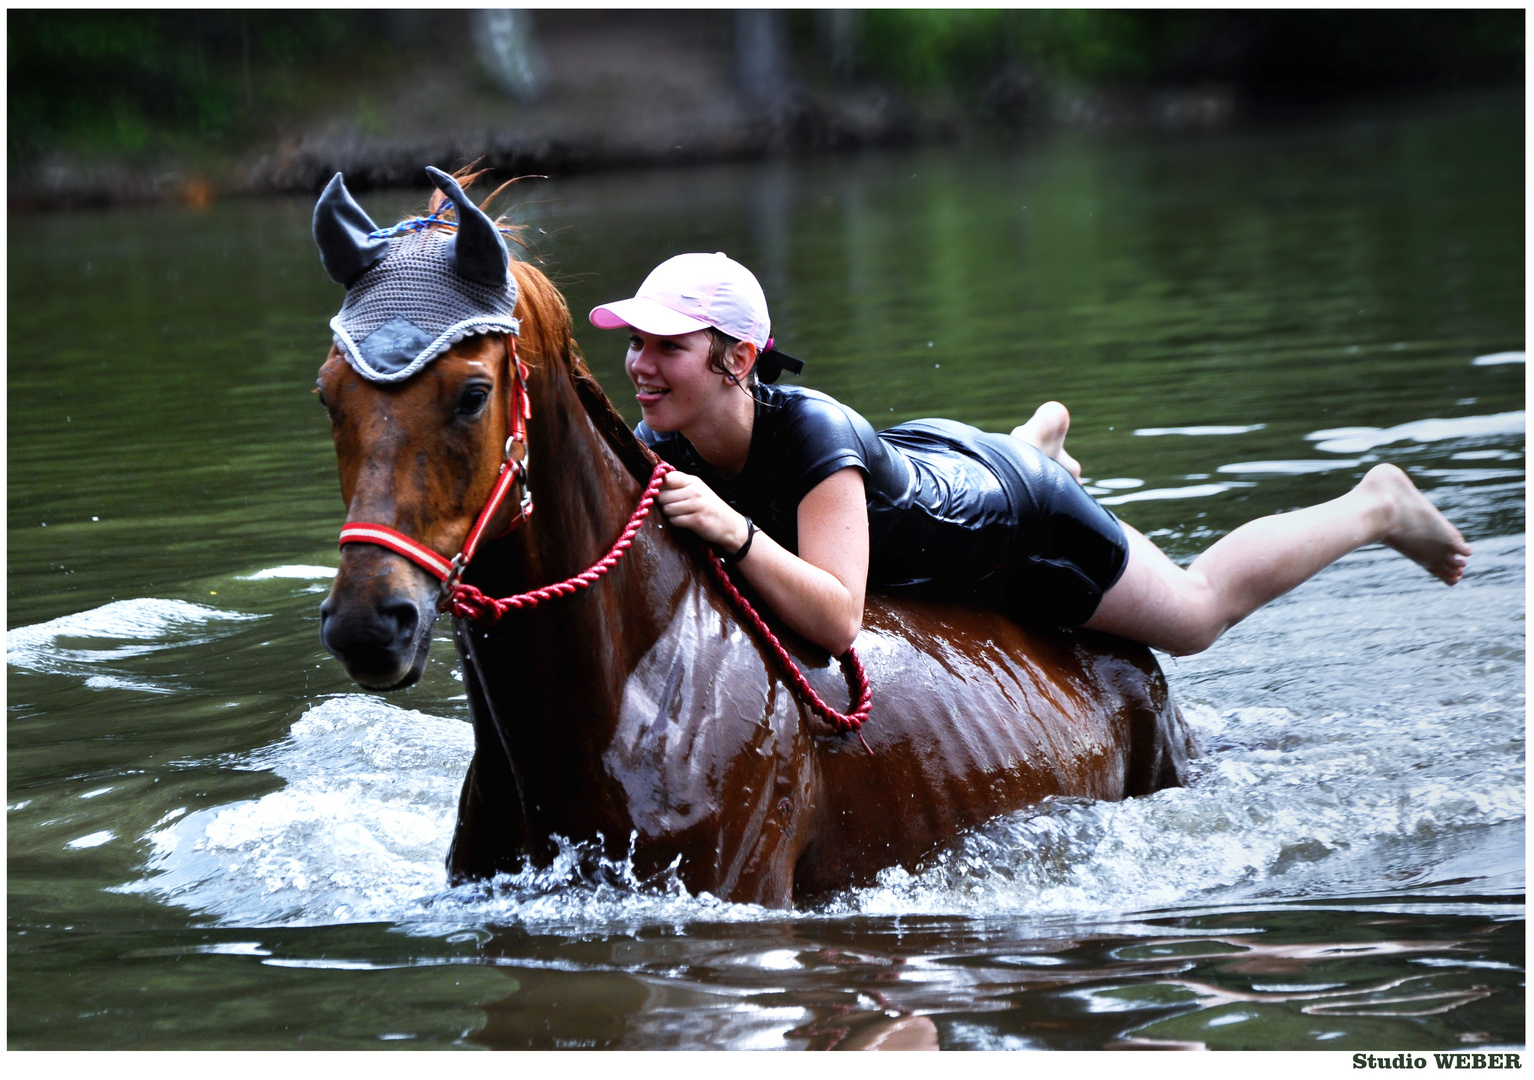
{"x":644,"y":716}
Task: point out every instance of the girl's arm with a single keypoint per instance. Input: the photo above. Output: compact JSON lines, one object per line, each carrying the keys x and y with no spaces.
{"x":818,"y":592}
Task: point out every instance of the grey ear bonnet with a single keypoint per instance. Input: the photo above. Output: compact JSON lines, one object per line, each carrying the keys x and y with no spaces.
{"x":412,"y":294}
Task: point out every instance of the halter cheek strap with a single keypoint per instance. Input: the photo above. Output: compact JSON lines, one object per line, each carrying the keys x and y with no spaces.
{"x":513,"y":471}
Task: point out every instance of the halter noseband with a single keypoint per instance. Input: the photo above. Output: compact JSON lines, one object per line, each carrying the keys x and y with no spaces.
{"x":513,"y":472}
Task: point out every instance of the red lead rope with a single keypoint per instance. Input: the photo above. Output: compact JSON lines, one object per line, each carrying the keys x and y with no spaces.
{"x":857,"y":677}
{"x":467,"y":602}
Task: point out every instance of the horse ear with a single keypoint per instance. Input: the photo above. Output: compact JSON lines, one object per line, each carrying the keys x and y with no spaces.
{"x":341,"y":229}
{"x":479,"y":253}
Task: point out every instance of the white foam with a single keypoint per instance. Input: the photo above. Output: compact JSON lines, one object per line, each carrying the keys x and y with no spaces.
{"x":1259,"y":821}
{"x":117,"y":682}
{"x":1202,"y":429}
{"x":1289,"y":468}
{"x":95,"y":839}
{"x":1493,"y":359}
{"x":361,"y":829}
{"x":303,"y":573}
{"x":143,"y":620}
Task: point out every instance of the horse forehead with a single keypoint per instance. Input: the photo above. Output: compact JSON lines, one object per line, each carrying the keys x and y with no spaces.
{"x":430,"y":380}
{"x":480,"y":349}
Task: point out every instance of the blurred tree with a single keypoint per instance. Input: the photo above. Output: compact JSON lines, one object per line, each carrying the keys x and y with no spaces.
{"x":139,"y":82}
{"x":504,"y":39}
{"x":761,"y":55}
{"x":836,"y":32}
{"x":135,"y":80}
{"x":1277,"y":55}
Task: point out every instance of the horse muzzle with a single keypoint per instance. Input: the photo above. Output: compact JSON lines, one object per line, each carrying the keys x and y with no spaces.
{"x":377,"y":619}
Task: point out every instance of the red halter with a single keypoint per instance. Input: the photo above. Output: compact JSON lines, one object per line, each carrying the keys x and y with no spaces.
{"x":467,"y":602}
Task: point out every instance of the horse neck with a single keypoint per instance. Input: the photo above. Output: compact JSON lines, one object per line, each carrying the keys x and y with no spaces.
{"x":553,"y":678}
{"x":584,"y":473}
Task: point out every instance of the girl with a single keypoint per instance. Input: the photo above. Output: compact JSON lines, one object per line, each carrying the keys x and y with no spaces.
{"x":815,"y":507}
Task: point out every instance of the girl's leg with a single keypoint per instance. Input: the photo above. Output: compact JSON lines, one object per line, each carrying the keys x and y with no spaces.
{"x":1183,"y":611}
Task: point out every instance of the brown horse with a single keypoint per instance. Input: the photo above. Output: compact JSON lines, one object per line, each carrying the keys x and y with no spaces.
{"x":641,"y":713}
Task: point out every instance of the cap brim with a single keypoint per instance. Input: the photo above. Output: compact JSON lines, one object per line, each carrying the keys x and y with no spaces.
{"x":646,"y":315}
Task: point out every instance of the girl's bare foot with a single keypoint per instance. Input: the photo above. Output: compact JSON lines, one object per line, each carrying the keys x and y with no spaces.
{"x":1417,"y":529}
{"x":1045,"y":431}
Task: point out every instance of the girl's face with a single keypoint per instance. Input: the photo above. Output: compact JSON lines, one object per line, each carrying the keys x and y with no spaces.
{"x":675,"y":386}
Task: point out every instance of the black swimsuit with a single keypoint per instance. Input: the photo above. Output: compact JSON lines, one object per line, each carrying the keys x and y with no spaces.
{"x":954,"y":513}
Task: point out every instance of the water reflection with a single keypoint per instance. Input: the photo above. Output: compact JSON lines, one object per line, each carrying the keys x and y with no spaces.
{"x":1084,"y":987}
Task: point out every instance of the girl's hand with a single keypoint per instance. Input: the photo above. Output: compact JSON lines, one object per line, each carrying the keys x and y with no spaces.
{"x":818,"y":592}
{"x":689,"y":502}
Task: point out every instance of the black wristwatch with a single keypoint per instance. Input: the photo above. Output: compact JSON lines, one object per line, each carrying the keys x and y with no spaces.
{"x":741,"y":554}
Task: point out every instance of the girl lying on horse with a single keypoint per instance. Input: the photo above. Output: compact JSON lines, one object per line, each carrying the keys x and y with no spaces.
{"x":815,"y":507}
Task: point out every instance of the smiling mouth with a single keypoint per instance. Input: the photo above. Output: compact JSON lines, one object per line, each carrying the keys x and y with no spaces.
{"x":652,"y":391}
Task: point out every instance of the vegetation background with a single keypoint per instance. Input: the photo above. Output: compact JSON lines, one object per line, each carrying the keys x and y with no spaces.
{"x":108,"y":104}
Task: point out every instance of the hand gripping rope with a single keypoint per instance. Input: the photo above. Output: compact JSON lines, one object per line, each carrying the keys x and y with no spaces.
{"x":468,"y":602}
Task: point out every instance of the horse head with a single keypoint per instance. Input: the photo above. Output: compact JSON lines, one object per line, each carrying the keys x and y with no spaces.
{"x":421,"y":458}
{"x":417,"y":386}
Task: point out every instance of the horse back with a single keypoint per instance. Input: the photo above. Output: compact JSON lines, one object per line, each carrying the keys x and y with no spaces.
{"x":974,"y":716}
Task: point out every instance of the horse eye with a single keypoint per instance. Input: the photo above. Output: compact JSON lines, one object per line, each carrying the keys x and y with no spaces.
{"x":472,"y":400}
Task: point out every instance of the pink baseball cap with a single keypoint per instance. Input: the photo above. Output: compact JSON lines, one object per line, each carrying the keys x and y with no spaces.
{"x":692,"y":292}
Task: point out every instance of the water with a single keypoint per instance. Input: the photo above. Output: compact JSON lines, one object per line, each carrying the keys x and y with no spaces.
{"x":215,"y":841}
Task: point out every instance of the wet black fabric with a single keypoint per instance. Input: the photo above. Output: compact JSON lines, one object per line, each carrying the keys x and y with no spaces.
{"x":954,"y":513}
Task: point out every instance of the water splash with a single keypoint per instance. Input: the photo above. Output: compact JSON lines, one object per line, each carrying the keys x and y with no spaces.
{"x":1278,"y":809}
{"x":150,"y":624}
{"x":1281,"y":808}
{"x":359,"y":833}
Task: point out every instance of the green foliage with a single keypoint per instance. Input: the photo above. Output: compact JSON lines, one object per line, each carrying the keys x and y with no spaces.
{"x":134,"y":81}
{"x":927,"y":48}
{"x":1089,"y":45}
{"x":1277,"y":53}
{"x":139,"y":82}
{"x":958,"y":47}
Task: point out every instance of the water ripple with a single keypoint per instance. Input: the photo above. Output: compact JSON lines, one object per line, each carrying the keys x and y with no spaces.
{"x":153,"y":624}
{"x":1463,"y":428}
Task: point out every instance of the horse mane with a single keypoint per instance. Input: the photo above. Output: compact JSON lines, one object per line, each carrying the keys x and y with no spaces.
{"x":547,"y":335}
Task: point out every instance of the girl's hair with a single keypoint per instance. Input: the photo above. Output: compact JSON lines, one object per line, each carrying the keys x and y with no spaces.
{"x":719,"y":346}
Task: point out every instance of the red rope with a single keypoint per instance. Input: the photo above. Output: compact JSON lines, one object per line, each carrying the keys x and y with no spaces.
{"x":857,"y":677}
{"x":467,"y":602}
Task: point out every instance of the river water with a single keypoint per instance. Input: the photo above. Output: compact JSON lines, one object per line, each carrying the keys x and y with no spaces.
{"x":215,"y":841}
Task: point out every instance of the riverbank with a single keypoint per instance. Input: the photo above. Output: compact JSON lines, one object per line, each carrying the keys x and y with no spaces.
{"x":141,"y":106}
{"x":645,"y":89}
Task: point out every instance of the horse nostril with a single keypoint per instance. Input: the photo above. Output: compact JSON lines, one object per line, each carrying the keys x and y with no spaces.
{"x":357,"y":630}
{"x":405,"y":616}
